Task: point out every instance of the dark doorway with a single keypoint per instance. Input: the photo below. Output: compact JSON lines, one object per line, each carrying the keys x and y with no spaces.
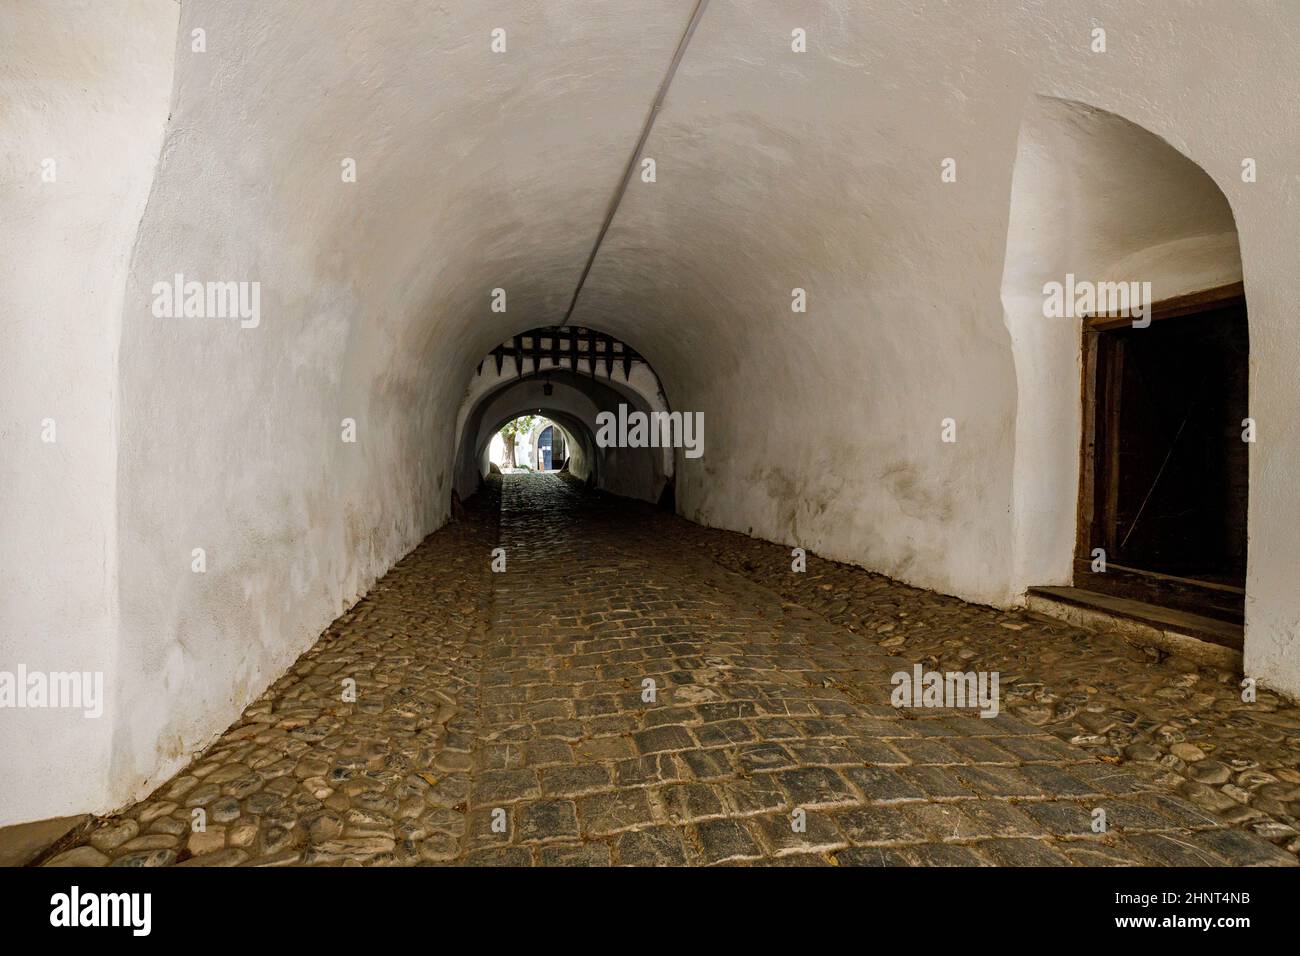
{"x":1164,"y":485}
{"x":551,"y":451}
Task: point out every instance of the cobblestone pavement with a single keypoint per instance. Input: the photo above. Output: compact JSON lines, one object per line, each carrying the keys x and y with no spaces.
{"x":507,"y":719}
{"x":1165,"y":719}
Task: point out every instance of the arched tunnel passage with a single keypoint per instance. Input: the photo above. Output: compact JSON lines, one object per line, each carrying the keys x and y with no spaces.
{"x":534,"y":442}
{"x":553,"y":373}
{"x":839,"y":253}
{"x":581,"y":458}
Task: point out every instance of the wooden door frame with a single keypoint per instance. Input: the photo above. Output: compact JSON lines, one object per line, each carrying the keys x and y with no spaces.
{"x":1090,"y":462}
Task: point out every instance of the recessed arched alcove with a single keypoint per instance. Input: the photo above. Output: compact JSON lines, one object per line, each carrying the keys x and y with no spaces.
{"x":1099,"y":201}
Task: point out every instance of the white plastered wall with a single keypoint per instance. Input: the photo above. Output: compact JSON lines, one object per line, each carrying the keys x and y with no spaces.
{"x":84,"y":85}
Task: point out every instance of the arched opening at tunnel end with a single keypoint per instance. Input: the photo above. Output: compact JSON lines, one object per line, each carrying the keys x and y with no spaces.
{"x":573,"y":379}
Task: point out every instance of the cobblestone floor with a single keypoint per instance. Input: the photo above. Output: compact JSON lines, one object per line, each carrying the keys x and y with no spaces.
{"x":503,"y":719}
{"x":1164,"y":718}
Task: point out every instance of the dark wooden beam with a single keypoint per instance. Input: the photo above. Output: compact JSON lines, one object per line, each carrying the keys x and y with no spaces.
{"x":556,"y":342}
{"x":1223,"y":295}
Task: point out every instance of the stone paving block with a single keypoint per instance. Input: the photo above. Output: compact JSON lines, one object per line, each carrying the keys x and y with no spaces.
{"x":835,"y":708}
{"x":547,"y":753}
{"x":505,"y":786}
{"x":507,"y":856}
{"x":999,"y":818}
{"x":662,"y":716}
{"x":876,"y":753}
{"x":943,"y":821}
{"x":724,"y":733}
{"x":601,"y":706}
{"x":776,"y":728}
{"x":708,"y":764}
{"x":542,"y":821}
{"x":1108,"y":779}
{"x":883,"y":785}
{"x":614,"y":727}
{"x":480,"y":831}
{"x":764,"y":756}
{"x":439,"y":847}
{"x":928,"y":750}
{"x":575,"y":854}
{"x":970,"y":724}
{"x":815,"y":728}
{"x":724,"y":841}
{"x":979,"y":750}
{"x":1004,"y":723}
{"x":659,"y":768}
{"x":932,"y":727}
{"x":575,"y":781}
{"x":813,"y":787}
{"x":1184,"y":814}
{"x":1040,"y":749}
{"x":546,"y":710}
{"x":653,"y":846}
{"x":887,"y":727}
{"x":936,"y":782}
{"x":824,"y":754}
{"x":605,"y":748}
{"x":1159,"y":849}
{"x":1100,"y":854}
{"x":875,"y":824}
{"x":1243,"y":850}
{"x":727,"y":710}
{"x":499,"y":757}
{"x":1062,"y":817}
{"x":998,"y":781}
{"x":819,"y":833}
{"x":1056,"y":781}
{"x":606,"y":813}
{"x":792,"y":860}
{"x":746,"y":796}
{"x":1130,"y":815}
{"x":942,"y":854}
{"x":1021,"y":852}
{"x":688,"y":802}
{"x":671,"y":737}
{"x":871,"y":856}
